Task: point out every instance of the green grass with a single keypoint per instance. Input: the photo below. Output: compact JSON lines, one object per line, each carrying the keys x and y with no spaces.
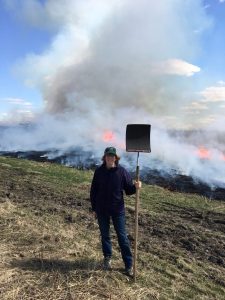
{"x":50,"y":246}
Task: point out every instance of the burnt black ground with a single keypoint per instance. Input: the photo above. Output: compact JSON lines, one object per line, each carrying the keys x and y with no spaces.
{"x":83,"y":160}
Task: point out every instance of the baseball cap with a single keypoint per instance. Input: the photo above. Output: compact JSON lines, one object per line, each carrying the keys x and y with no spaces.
{"x":110,"y":150}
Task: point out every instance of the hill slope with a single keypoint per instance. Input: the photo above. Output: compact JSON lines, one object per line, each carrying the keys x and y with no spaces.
{"x":50,"y":246}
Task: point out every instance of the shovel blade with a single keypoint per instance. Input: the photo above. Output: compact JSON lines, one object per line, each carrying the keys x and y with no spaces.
{"x":138,"y":138}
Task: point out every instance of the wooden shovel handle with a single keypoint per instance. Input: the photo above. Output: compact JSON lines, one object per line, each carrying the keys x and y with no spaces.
{"x":136,"y":224}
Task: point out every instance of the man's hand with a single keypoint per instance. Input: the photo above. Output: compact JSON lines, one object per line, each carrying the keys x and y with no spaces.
{"x":138,"y":184}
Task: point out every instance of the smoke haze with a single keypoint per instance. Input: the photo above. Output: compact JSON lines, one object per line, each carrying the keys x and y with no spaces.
{"x":113,"y":63}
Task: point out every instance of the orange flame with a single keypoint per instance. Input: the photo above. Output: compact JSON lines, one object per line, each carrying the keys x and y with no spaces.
{"x":108,"y":136}
{"x":203,"y":153}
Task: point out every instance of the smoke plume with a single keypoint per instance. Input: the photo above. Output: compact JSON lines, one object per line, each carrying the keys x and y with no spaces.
{"x":118,"y":62}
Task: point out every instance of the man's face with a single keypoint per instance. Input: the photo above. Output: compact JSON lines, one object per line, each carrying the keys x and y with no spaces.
{"x":110,"y":160}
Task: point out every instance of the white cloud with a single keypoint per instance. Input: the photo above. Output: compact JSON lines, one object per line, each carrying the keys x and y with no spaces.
{"x":213,"y":94}
{"x":221,"y":82}
{"x":16,"y":110}
{"x":17,"y":101}
{"x":16,"y":116}
{"x":175,"y":67}
{"x":195,"y":106}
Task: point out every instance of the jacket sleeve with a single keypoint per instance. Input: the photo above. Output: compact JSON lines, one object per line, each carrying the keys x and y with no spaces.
{"x":128,"y":185}
{"x":93,"y":192}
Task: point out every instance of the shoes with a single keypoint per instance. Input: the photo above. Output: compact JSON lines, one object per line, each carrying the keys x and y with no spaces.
{"x":107,"y":263}
{"x":107,"y":266}
{"x":129,"y":272}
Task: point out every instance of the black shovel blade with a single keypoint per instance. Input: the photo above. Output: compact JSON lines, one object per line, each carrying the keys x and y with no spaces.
{"x":138,"y":138}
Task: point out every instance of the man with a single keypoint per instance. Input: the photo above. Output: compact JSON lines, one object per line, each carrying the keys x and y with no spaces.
{"x":109,"y":182}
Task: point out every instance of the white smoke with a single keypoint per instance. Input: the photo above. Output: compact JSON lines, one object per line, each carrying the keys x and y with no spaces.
{"x":113,"y":63}
{"x":117,"y":53}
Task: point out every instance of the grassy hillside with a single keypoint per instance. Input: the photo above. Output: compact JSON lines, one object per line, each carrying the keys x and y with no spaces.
{"x":50,"y":246}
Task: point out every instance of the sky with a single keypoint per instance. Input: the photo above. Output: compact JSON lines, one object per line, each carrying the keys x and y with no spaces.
{"x":86,"y":68}
{"x":182,"y":51}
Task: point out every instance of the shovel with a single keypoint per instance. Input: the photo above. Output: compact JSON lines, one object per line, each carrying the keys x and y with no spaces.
{"x":137,"y":140}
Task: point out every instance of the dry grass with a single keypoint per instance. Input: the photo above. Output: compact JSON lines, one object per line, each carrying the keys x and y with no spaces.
{"x":42,"y":257}
{"x":50,"y":246}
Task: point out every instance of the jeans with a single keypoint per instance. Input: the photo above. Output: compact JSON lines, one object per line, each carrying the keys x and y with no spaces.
{"x":119,"y":226}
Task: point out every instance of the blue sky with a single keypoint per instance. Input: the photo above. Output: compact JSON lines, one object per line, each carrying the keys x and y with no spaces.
{"x":213,"y":43}
{"x":17,"y":40}
{"x":42,"y":40}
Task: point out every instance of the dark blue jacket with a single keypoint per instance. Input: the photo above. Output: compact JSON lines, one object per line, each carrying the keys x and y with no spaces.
{"x":107,"y":189}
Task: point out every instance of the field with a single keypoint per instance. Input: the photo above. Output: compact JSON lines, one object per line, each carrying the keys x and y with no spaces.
{"x":50,"y":245}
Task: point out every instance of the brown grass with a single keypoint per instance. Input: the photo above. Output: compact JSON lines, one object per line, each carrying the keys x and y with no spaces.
{"x":42,"y":257}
